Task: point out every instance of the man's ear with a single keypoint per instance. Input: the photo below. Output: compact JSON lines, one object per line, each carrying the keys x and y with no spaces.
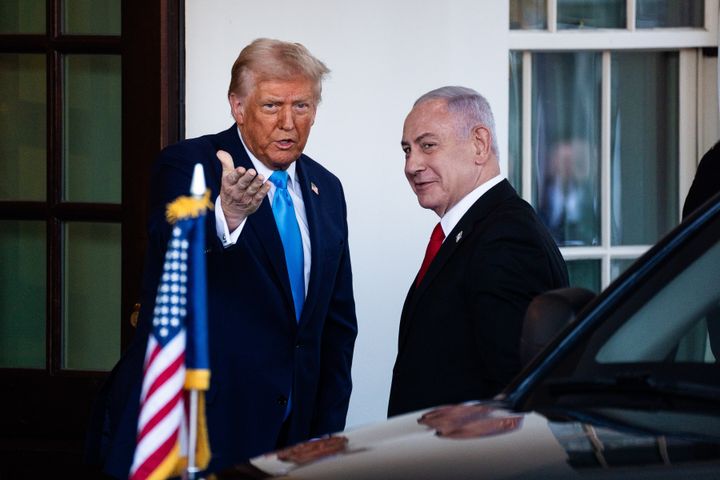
{"x":236,"y":107}
{"x":482,"y":141}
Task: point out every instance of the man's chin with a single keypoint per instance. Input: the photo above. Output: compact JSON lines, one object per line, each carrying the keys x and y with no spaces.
{"x":282,"y":161}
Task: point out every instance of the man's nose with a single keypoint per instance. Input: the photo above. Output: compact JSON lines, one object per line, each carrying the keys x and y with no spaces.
{"x":413,"y":163}
{"x":286,"y":121}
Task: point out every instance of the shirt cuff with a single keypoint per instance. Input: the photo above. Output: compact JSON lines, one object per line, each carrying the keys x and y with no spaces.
{"x":227,"y":238}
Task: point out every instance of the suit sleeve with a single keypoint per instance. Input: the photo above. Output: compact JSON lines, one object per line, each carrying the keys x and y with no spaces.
{"x":507,"y":271}
{"x":337,"y":343}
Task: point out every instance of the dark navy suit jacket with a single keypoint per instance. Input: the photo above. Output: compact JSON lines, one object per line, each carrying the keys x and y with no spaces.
{"x":259,"y":352}
{"x":460,"y":328}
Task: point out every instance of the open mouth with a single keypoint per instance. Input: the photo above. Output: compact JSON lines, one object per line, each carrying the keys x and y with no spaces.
{"x":285,"y":144}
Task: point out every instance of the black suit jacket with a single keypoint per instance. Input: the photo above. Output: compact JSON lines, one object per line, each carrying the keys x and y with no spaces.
{"x":259,"y":353}
{"x":460,"y":328}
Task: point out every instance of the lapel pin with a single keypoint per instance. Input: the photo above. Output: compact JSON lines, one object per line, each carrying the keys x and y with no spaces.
{"x":458,"y":236}
{"x":314,"y":188}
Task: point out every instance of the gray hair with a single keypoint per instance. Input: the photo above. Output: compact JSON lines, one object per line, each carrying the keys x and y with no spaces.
{"x":471,"y":107}
{"x":270,"y":59}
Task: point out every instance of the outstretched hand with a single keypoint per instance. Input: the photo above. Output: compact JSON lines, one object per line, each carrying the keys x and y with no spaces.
{"x":241,"y":191}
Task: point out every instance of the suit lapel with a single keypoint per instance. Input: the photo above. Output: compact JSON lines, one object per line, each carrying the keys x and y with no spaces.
{"x":261,"y":224}
{"x":462,"y":231}
{"x":314,"y":218}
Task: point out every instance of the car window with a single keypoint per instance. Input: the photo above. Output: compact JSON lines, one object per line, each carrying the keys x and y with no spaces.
{"x":680,"y":323}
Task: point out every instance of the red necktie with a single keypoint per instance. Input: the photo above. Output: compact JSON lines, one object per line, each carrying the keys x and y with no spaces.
{"x":436,"y":240}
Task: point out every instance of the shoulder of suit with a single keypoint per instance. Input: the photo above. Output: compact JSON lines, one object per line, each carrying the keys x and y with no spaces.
{"x":202,"y":145}
{"x":312,"y":167}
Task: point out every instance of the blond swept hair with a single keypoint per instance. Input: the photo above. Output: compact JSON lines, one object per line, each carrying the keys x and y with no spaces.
{"x":270,"y":59}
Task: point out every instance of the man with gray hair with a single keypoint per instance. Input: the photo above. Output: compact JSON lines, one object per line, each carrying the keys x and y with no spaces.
{"x":281,"y":314}
{"x":487,"y":258}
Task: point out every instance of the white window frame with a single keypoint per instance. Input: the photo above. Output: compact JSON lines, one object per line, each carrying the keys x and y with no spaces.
{"x":688,"y":41}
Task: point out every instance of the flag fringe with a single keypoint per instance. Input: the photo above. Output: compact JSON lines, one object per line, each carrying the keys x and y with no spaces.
{"x":186,"y":207}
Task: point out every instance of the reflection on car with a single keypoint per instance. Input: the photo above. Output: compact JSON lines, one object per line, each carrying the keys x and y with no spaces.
{"x":627,"y":387}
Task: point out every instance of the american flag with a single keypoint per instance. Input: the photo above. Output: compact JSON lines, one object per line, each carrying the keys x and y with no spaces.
{"x":171,"y":365}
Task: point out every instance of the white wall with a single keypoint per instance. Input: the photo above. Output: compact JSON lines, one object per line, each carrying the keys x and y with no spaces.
{"x":383,"y":55}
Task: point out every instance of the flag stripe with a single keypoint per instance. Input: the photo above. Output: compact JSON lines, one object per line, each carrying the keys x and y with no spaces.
{"x":158,"y":442}
{"x":161,"y":413}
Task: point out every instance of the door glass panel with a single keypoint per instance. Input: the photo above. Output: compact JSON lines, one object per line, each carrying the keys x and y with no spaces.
{"x":22,"y":294}
{"x":22,"y":127}
{"x":91,"y":17}
{"x":669,"y":13}
{"x":91,"y":111}
{"x":566,"y":144}
{"x":619,"y":265}
{"x":644,"y":151}
{"x":91,"y":300}
{"x":591,"y":14}
{"x":515,"y":134}
{"x":585,"y":274}
{"x":528,"y":15}
{"x":22,"y":16}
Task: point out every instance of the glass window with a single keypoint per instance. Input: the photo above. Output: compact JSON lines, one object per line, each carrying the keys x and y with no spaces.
{"x":619,"y":265}
{"x":675,"y":322}
{"x":528,"y":15}
{"x":644,"y":164}
{"x":91,"y":17}
{"x":515,"y":151}
{"x":91,"y":282}
{"x":573,"y":14}
{"x":23,"y":155}
{"x":566,"y":144}
{"x":22,"y":16}
{"x":585,"y":274}
{"x":22,"y":294}
{"x":669,"y":13}
{"x":91,"y":110}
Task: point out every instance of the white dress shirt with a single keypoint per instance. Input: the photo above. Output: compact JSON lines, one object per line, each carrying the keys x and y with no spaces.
{"x":230,"y":238}
{"x":456,"y":212}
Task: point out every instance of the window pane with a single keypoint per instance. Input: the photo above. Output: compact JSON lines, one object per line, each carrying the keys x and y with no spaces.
{"x":22,"y":127}
{"x":528,"y":15}
{"x":566,"y":144}
{"x":22,"y":16}
{"x":673,"y":324}
{"x":91,"y":296}
{"x":22,"y":294}
{"x":91,"y":149}
{"x":670,"y":13}
{"x":585,"y":274}
{"x":619,"y":265}
{"x":515,"y":134}
{"x":591,"y":14}
{"x":644,"y":165}
{"x":91,"y":17}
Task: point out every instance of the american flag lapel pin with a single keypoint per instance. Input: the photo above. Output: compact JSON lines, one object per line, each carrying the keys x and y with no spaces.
{"x":314,"y":188}
{"x":458,"y":236}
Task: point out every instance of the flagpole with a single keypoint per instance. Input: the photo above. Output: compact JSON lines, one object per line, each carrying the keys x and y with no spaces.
{"x":197,"y":190}
{"x":192,"y":470}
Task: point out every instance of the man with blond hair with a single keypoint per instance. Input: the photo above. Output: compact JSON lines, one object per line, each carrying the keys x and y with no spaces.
{"x":281,"y":311}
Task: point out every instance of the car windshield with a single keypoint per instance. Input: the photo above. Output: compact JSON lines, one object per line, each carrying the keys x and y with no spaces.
{"x":656,"y":339}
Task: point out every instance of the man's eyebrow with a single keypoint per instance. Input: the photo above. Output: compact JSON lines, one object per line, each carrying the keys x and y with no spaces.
{"x":422,"y":136}
{"x":418,"y":139}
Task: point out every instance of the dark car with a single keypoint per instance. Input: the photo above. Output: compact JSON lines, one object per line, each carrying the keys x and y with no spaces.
{"x":629,"y":388}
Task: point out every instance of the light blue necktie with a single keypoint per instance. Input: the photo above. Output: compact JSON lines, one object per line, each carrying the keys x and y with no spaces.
{"x":287,"y":225}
